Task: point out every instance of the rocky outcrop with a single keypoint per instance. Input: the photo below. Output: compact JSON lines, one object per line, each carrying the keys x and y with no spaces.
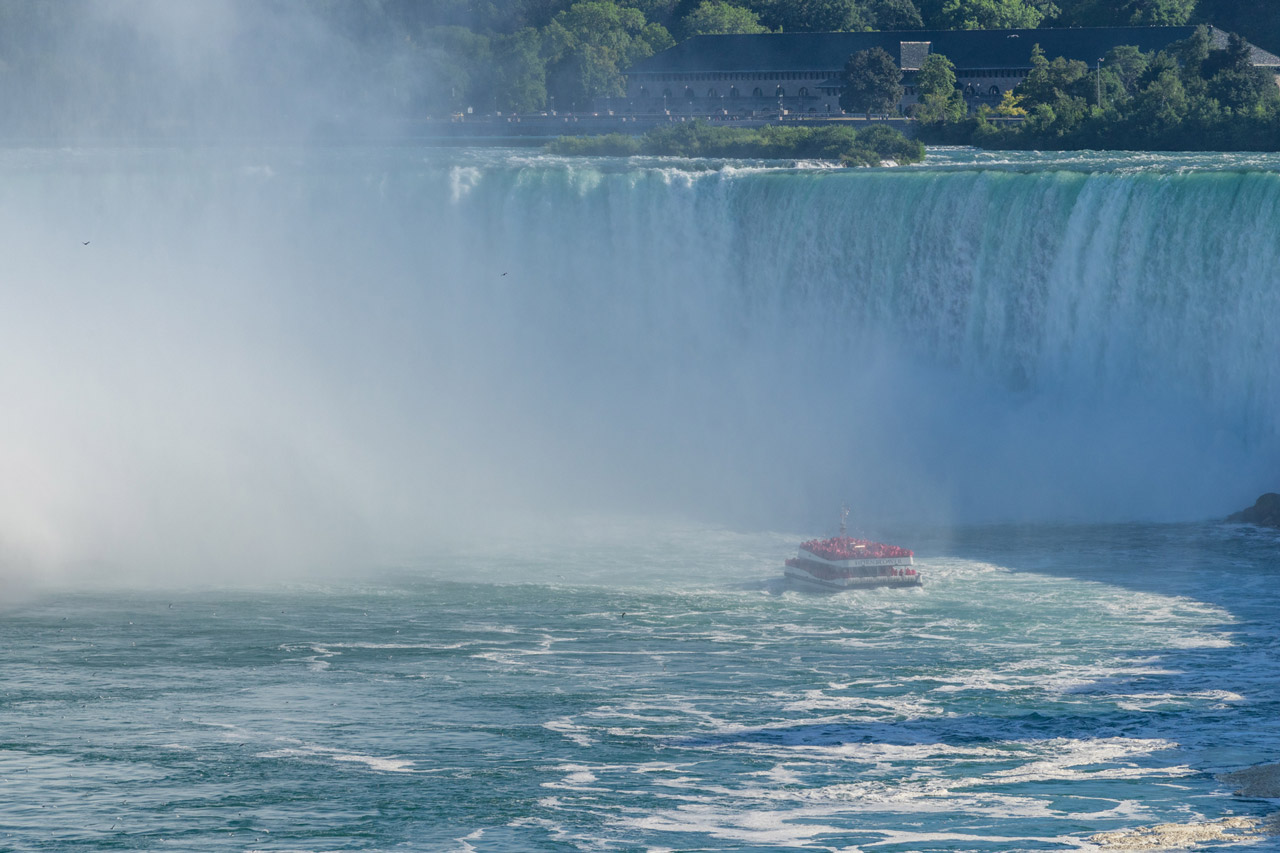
{"x":1260,"y":780}
{"x":1265,"y":512}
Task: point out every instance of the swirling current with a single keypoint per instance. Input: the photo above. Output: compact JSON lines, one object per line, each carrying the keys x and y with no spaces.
{"x":435,"y":499}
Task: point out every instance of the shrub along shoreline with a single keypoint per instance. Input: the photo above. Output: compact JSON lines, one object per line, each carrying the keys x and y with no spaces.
{"x":871,"y":146}
{"x":1192,"y":96}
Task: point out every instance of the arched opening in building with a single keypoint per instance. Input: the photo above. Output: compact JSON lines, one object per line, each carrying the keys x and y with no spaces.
{"x":804,"y":92}
{"x":712,"y":93}
{"x":733,"y":91}
{"x":780,"y":93}
{"x":995,"y":91}
{"x":689,"y":94}
{"x":666,"y":93}
{"x":756,"y":93}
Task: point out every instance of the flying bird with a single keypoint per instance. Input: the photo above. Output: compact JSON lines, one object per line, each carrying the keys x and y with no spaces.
{"x":84,"y":243}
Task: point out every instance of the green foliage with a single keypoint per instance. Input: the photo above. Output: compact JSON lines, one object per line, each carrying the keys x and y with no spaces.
{"x":460,"y":64}
{"x":662,"y":12}
{"x":894,"y":15}
{"x":1190,"y":97}
{"x":608,"y":145}
{"x":590,"y":44}
{"x":817,"y":16}
{"x":1051,"y":81}
{"x":67,"y":62}
{"x":1010,"y":106}
{"x":889,"y":144}
{"x":1123,"y":70}
{"x":1256,"y":20}
{"x":872,"y":83}
{"x":1123,"y":13}
{"x":1159,"y":13}
{"x":940,"y":100}
{"x":715,"y":17}
{"x":937,"y":76}
{"x":990,"y":15}
{"x":519,"y":72}
{"x":840,"y":143}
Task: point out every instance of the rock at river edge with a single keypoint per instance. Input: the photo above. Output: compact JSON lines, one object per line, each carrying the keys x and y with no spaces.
{"x":1265,"y":512}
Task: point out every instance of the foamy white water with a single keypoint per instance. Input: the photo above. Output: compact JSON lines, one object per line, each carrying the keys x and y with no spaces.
{"x":688,"y":702}
{"x":297,"y":358}
{"x":585,"y":408}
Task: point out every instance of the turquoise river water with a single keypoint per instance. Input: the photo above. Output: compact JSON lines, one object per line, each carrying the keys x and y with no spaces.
{"x":389,"y":499}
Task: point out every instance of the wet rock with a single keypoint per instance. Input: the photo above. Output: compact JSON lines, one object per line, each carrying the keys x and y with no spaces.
{"x":1261,"y":780}
{"x":1266,"y":512}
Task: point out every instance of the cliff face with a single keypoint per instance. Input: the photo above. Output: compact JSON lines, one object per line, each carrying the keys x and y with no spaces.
{"x":1265,"y":512}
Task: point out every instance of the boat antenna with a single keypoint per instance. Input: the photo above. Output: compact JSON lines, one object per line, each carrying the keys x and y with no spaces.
{"x":844,"y":518}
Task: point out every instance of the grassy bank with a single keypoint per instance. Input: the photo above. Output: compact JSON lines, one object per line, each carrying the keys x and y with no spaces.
{"x":871,"y":146}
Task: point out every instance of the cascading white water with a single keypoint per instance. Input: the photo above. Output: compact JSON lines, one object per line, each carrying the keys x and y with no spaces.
{"x":268,"y":357}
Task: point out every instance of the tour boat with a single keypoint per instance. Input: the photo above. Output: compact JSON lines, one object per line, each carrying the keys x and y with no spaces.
{"x":842,"y":563}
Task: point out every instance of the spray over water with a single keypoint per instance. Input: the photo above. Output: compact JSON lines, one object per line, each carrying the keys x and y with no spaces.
{"x":283,"y":357}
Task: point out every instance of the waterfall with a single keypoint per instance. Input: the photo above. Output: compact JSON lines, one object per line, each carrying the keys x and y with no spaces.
{"x":268,"y":355}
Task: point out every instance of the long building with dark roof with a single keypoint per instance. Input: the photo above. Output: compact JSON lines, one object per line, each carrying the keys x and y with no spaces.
{"x":801,"y":72}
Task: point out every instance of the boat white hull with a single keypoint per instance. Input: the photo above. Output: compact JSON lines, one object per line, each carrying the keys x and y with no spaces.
{"x":801,"y":579}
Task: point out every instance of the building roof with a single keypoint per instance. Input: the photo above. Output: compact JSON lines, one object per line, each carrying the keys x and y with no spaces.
{"x":965,"y":48}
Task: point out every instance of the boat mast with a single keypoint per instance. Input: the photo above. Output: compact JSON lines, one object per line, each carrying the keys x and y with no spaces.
{"x":844,"y":519}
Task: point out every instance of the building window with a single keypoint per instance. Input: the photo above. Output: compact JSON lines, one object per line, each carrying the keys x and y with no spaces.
{"x":995,"y":91}
{"x":712,"y":93}
{"x":688,"y":93}
{"x":733,"y":91}
{"x":780,"y":92}
{"x":804,"y":93}
{"x":756,"y":93}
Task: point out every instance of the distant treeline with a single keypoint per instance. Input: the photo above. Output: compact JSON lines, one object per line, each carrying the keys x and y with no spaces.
{"x":530,"y":55}
{"x":870,"y":146}
{"x":1191,"y":96}
{"x":146,"y":65}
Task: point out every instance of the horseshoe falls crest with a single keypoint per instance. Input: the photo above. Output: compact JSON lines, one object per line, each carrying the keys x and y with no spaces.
{"x":367,"y":498}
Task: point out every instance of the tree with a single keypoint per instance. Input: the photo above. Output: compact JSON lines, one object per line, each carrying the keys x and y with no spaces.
{"x":895,"y":15}
{"x":937,"y":75}
{"x":1161,"y":104}
{"x":1010,"y":106}
{"x":1048,"y":82}
{"x":1235,"y":57}
{"x":1116,"y":13}
{"x":658,"y":11}
{"x":1158,"y":13}
{"x":872,"y":83}
{"x":1125,"y":65}
{"x":990,"y":15}
{"x":1234,"y":82}
{"x":715,"y":17}
{"x":1056,"y":94}
{"x":1193,"y":51}
{"x":1256,"y":20}
{"x":457,"y":61}
{"x":814,"y":16}
{"x":589,"y":44}
{"x":940,"y":100}
{"x":520,"y":72}
{"x":1243,"y":91}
